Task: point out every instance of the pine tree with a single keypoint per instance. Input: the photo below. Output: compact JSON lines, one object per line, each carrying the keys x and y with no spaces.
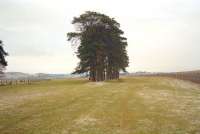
{"x":102,"y":49}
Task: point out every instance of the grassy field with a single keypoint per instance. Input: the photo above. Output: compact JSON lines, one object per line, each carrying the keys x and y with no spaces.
{"x":143,"y":105}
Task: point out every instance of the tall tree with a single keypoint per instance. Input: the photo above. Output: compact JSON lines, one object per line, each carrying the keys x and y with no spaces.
{"x":101,"y":49}
{"x":3,"y":62}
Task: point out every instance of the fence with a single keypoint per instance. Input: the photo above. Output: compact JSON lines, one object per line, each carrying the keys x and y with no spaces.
{"x":190,"y":76}
{"x":193,"y":76}
{"x":17,"y":82}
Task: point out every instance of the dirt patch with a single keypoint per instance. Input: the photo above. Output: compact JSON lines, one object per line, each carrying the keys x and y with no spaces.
{"x":85,"y":121}
{"x":96,"y":83}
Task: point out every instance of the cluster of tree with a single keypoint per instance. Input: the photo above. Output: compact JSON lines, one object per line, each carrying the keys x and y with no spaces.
{"x":101,"y":46}
{"x":3,"y":62}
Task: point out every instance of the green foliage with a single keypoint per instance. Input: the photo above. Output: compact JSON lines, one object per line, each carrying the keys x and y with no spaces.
{"x":3,"y":62}
{"x":102,"y":49}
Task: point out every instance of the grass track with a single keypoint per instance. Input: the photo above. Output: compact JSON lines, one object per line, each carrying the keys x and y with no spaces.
{"x":143,"y":105}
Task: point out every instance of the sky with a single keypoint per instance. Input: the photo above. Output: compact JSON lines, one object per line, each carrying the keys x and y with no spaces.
{"x":163,"y":35}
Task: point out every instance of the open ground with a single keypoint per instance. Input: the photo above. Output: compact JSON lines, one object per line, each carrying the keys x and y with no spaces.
{"x":131,"y":105}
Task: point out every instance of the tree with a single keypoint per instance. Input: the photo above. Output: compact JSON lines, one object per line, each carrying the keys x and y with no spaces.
{"x":101,"y":47}
{"x":3,"y":62}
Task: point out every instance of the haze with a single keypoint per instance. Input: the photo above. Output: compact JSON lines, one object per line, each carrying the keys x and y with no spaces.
{"x":162,"y":35}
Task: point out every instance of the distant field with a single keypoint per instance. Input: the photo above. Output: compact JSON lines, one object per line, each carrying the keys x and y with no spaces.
{"x":134,"y":105}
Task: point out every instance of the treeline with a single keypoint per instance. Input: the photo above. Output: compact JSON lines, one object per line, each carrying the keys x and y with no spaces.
{"x":101,"y":47}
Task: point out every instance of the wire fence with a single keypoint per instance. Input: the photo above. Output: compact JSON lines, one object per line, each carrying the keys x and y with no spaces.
{"x":18,"y":82}
{"x":190,"y":76}
{"x":193,"y":76}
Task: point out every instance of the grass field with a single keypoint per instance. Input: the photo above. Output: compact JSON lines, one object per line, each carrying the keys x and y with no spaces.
{"x":143,"y":105}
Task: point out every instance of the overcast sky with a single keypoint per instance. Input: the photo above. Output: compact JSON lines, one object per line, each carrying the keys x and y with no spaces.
{"x":163,"y":35}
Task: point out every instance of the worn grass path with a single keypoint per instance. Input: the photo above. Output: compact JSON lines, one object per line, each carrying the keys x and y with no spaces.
{"x":143,"y":105}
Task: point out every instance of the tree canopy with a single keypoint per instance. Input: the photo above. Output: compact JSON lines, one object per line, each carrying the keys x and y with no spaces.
{"x":3,"y":62}
{"x":101,"y":46}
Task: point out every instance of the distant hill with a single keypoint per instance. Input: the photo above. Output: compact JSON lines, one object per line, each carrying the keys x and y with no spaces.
{"x":14,"y":75}
{"x":51,"y":76}
{"x":193,"y":76}
{"x":19,"y":75}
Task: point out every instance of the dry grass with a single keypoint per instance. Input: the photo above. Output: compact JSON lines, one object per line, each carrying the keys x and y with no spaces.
{"x":143,"y":105}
